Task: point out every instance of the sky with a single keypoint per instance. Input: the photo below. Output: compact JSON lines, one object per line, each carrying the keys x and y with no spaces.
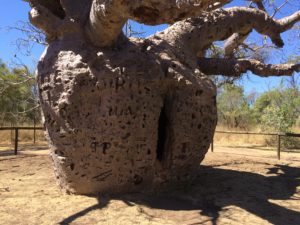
{"x":14,"y":11}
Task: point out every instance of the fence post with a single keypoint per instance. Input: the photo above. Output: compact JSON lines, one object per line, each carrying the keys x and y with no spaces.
{"x":212,"y":145}
{"x":278,"y":146}
{"x":34,"y":131}
{"x":11,"y":134}
{"x":16,"y":140}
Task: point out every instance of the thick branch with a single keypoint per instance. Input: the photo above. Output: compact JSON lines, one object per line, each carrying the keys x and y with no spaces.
{"x":77,"y":9}
{"x":236,"y":67}
{"x":238,"y":38}
{"x":45,"y":20}
{"x":197,"y":34}
{"x":106,"y":21}
{"x":234,"y":42}
{"x":58,"y":18}
{"x":154,"y":12}
{"x":52,"y":6}
{"x":108,"y":17}
{"x":288,"y":22}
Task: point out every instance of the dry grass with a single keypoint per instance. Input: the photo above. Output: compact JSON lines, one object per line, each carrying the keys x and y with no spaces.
{"x":234,"y":139}
{"x":248,"y":139}
{"x":7,"y":137}
{"x":296,"y":130}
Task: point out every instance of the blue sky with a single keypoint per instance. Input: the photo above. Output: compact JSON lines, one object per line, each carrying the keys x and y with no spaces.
{"x":13,"y":11}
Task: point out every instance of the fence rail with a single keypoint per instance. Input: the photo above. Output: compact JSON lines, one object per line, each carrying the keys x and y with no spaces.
{"x":21,"y":128}
{"x":279,"y":136}
{"x":16,"y":131}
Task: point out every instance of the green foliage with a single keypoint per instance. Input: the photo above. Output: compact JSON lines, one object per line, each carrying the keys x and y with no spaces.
{"x":277,"y":119}
{"x":276,"y":110}
{"x":279,"y":109}
{"x":233,"y":107}
{"x":17,"y":95}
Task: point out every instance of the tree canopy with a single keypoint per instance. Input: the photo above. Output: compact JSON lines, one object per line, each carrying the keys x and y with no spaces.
{"x":18,"y":99}
{"x":276,"y":110}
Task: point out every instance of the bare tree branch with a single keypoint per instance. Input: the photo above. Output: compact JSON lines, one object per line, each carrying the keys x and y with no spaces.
{"x":30,"y":36}
{"x":234,"y":42}
{"x":51,"y":17}
{"x":236,"y":67}
{"x":196,"y":35}
{"x":237,"y":39}
{"x":45,"y":20}
{"x":106,"y":21}
{"x":78,"y":10}
{"x":32,"y":33}
{"x":288,"y":22}
{"x":277,"y":9}
{"x":25,"y":75}
{"x":107,"y":18}
{"x":52,"y":6}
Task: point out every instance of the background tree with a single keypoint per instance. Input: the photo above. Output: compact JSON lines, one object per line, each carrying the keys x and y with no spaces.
{"x":18,"y":96}
{"x":279,"y":109}
{"x":233,"y":107}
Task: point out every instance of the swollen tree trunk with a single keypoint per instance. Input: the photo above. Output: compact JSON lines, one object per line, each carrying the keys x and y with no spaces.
{"x":117,"y":121}
{"x":133,"y":114}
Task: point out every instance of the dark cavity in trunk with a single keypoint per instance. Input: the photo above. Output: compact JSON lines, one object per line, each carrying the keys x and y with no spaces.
{"x":162,"y":134}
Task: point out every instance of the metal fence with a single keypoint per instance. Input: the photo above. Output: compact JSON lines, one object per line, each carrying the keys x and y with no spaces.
{"x":34,"y":129}
{"x":16,"y":132}
{"x":278,"y":135}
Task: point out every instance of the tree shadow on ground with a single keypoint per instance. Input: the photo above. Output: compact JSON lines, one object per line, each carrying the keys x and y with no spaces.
{"x":217,"y":188}
{"x":101,"y":204}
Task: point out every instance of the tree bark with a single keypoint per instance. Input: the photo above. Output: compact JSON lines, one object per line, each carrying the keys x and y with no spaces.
{"x":236,"y":67}
{"x":110,"y":16}
{"x":127,"y":114}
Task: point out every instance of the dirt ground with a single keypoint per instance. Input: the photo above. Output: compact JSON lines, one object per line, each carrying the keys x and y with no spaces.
{"x":235,"y":186}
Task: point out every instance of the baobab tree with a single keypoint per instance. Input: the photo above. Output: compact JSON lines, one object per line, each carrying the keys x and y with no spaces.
{"x":125,"y":114}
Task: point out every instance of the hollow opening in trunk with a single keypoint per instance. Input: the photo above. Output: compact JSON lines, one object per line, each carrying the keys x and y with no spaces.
{"x":162,"y":134}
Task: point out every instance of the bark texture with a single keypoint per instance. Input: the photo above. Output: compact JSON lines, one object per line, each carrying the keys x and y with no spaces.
{"x":235,"y":67}
{"x":119,"y":122}
{"x":137,"y":114}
